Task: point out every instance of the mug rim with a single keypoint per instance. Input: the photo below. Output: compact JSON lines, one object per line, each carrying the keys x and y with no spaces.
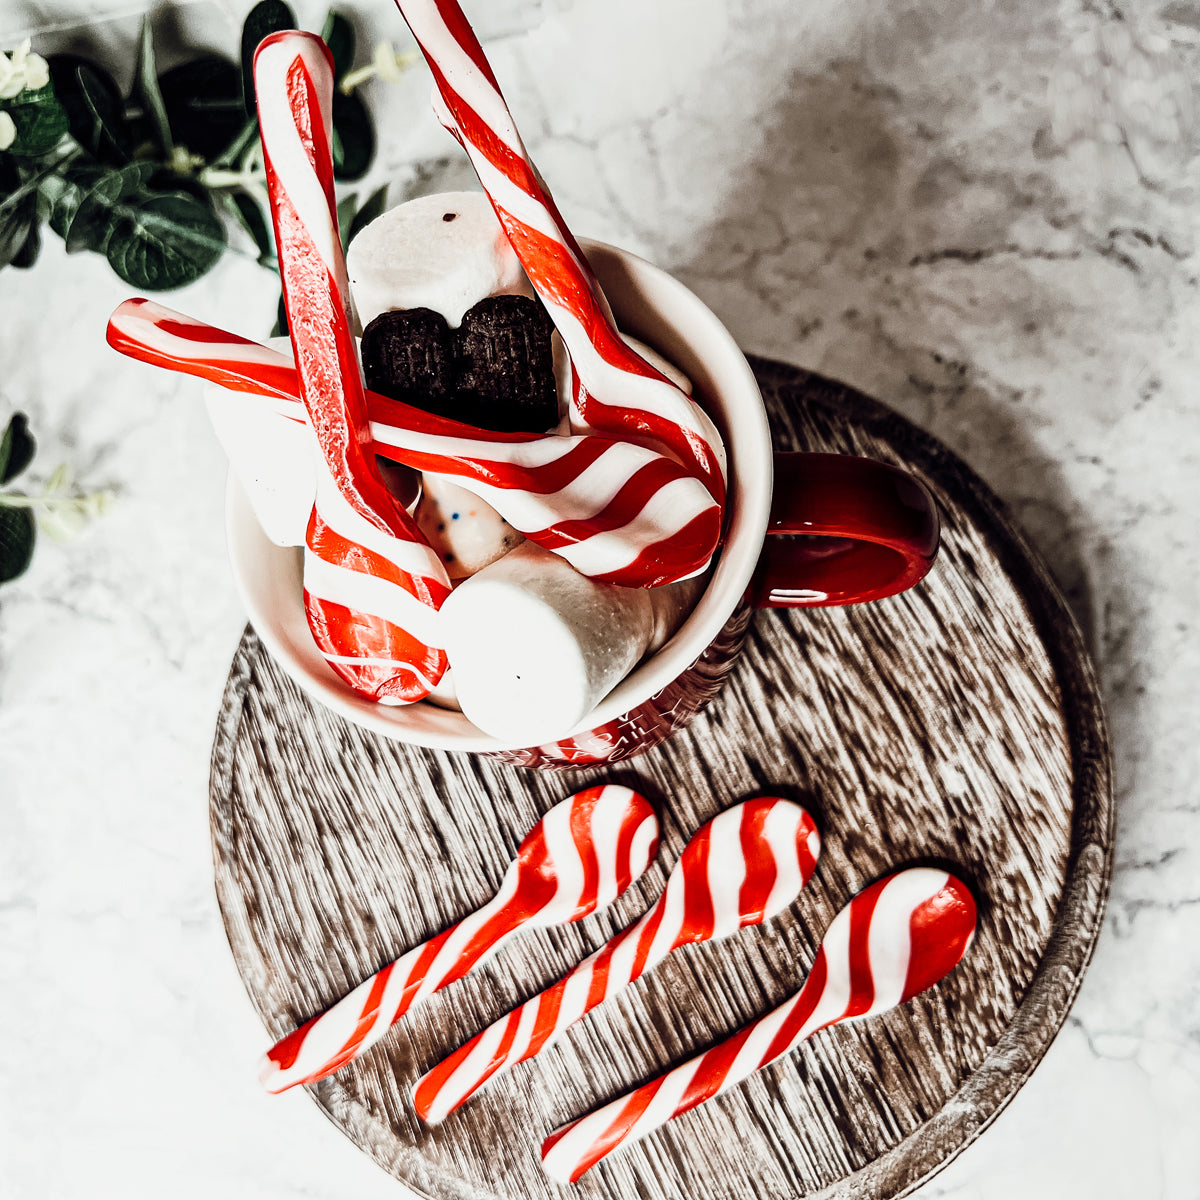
{"x":668,"y":316}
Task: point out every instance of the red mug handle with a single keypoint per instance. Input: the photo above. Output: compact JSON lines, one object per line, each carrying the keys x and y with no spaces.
{"x":869,"y":530}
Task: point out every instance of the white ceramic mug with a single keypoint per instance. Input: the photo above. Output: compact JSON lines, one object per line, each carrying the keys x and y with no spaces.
{"x":892,"y":537}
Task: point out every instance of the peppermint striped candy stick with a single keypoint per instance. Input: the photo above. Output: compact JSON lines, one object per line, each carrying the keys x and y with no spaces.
{"x":897,"y":938}
{"x":579,"y":857}
{"x":617,"y":512}
{"x":617,"y":392}
{"x":741,"y":868}
{"x":372,"y":585}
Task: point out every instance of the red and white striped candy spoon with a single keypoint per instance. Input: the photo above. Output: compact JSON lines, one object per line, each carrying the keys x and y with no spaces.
{"x":617,"y":391}
{"x":616,"y":512}
{"x":579,"y":857}
{"x":741,"y":868}
{"x":897,"y":938}
{"x":372,"y":585}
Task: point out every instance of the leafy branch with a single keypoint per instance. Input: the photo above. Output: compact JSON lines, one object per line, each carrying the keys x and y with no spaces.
{"x":151,"y":180}
{"x":154,"y":179}
{"x":59,"y":511}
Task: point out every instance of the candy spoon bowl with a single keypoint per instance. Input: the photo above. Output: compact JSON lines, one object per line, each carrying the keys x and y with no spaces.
{"x":897,"y":938}
{"x":581,"y":855}
{"x":741,"y":868}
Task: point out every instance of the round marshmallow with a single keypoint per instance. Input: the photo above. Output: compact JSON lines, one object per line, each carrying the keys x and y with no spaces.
{"x":464,"y":531}
{"x":535,"y":646}
{"x":445,"y":252}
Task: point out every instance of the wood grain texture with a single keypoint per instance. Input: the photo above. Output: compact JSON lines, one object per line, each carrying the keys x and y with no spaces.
{"x":957,"y":724}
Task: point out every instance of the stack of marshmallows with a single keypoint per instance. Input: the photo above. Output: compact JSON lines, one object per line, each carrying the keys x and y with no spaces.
{"x":533,"y":645}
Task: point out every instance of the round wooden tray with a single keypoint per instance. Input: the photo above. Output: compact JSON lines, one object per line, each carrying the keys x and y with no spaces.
{"x":958,"y":724}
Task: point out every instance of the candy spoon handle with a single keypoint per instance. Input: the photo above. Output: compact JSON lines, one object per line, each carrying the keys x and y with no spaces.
{"x":293,"y":75}
{"x":372,"y":584}
{"x":617,"y":512}
{"x":619,"y":392}
{"x":531,"y":1027}
{"x":892,"y":941}
{"x":355,"y":1023}
{"x":153,"y":333}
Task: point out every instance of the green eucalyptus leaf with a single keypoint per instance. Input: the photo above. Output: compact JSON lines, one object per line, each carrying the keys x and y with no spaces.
{"x":338,"y":35}
{"x":85,"y":197}
{"x":240,"y":146}
{"x":28,"y":254}
{"x":18,"y":533}
{"x":85,"y":192}
{"x":245,"y":209}
{"x":40,"y":120}
{"x":281,"y":327}
{"x":345,"y":216}
{"x":164,"y":241}
{"x":145,"y":88}
{"x":142,"y":138}
{"x":353,"y":137}
{"x":18,"y":211}
{"x":16,"y":448}
{"x":94,"y":106}
{"x":203,"y":102}
{"x":375,"y":206}
{"x":267,"y":17}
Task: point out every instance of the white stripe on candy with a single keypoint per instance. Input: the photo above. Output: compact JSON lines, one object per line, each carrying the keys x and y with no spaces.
{"x":414,"y":558}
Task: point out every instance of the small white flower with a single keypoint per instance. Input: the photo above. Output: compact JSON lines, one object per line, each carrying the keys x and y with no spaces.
{"x":385,"y":64}
{"x":60,"y":522}
{"x":37,"y":71}
{"x":183,"y":161}
{"x":8,"y":131}
{"x":23,"y":70}
{"x":62,"y":513}
{"x":96,"y":504}
{"x":60,"y":480}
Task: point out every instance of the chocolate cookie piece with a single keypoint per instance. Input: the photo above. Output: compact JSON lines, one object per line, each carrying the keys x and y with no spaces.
{"x":409,"y":355}
{"x":506,"y":365}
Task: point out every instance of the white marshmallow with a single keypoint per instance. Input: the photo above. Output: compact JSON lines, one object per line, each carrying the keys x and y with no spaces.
{"x":413,"y":257}
{"x":444,"y":694}
{"x":273,"y":457}
{"x":535,"y":646}
{"x":464,"y":531}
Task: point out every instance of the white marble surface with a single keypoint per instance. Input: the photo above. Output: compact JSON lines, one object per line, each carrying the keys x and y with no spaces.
{"x":984,"y":214}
